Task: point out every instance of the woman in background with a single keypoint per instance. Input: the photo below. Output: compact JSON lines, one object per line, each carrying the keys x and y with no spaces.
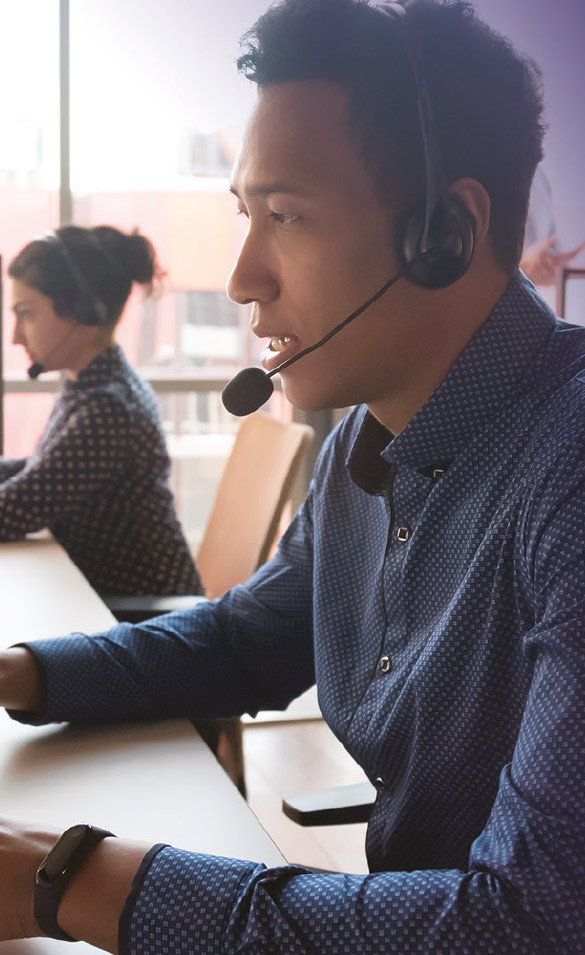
{"x":541,"y":261}
{"x":98,"y":478}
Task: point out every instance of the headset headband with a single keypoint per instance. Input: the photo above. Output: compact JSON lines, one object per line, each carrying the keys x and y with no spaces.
{"x":434,"y":177}
{"x":438,"y":243}
{"x":97,"y":309}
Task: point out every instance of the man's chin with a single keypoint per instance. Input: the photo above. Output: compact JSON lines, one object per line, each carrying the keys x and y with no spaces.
{"x":312,"y":398}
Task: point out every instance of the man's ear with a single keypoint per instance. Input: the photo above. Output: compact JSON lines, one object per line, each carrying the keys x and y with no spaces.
{"x":477,"y":202}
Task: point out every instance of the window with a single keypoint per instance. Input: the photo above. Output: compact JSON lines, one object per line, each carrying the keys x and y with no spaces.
{"x":156,"y":108}
{"x":29,"y":177}
{"x":153,"y":139}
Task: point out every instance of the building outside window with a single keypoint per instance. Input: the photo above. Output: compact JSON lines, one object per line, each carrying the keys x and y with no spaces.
{"x":154,"y":128}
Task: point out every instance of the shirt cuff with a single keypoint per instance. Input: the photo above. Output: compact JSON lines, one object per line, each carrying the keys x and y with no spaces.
{"x":182,"y":902}
{"x":56,"y":663}
{"x":85,"y":681}
{"x":124,"y":923}
{"x":36,"y":717}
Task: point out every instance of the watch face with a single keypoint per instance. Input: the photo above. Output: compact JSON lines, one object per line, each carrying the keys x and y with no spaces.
{"x":58,"y":858}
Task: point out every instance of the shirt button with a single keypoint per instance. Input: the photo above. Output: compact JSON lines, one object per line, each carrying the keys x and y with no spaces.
{"x":380,"y":781}
{"x":385,"y":664}
{"x":403,"y":533}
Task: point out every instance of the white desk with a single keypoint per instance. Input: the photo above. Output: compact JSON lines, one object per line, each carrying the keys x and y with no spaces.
{"x":43,"y":594}
{"x":155,"y":782}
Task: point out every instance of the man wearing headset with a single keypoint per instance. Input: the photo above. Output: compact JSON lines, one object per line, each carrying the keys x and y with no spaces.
{"x":432,"y":582}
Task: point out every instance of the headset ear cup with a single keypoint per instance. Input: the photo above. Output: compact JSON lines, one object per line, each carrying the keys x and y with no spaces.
{"x":449,"y":249}
{"x":94,"y":313}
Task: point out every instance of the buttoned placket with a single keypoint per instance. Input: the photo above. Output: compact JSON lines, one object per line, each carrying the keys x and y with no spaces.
{"x":408,"y":492}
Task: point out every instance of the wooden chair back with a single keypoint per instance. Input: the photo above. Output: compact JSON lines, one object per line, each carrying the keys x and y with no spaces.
{"x":253,"y":491}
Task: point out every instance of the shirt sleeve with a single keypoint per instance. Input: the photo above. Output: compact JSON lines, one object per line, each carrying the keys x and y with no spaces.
{"x":522,"y":890}
{"x":521,"y":894}
{"x":65,"y":470}
{"x":9,"y":467}
{"x":251,"y":650}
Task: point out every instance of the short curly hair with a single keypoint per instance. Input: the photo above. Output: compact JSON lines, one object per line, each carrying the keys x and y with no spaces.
{"x":486,"y":97}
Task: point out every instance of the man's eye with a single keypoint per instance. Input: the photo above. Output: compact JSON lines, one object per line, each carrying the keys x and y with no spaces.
{"x":284,"y":218}
{"x":242,"y":212}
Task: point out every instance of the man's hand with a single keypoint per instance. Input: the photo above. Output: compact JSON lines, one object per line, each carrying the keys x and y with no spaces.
{"x":542,"y":265}
{"x":93,"y":901}
{"x":22,"y":849}
{"x":20,"y":684}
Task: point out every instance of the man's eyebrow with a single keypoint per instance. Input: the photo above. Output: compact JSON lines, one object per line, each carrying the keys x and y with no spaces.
{"x":271,"y":189}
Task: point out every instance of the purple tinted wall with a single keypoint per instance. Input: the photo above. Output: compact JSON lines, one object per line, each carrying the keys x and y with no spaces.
{"x":552,"y":32}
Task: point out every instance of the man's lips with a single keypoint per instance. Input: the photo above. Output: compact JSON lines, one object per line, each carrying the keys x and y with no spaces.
{"x":279,"y":349}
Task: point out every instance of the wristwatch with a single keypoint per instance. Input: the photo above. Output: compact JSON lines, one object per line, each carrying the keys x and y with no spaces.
{"x":55,"y":872}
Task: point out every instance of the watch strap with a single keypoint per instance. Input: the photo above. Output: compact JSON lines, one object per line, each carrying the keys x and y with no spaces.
{"x":49,"y":892}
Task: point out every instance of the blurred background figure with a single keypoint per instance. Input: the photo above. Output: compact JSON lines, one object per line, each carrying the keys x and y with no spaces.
{"x":541,"y":260}
{"x":98,"y":477}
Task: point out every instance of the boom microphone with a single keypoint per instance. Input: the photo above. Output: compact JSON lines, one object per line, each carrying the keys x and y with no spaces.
{"x":35,"y":370}
{"x":251,"y":387}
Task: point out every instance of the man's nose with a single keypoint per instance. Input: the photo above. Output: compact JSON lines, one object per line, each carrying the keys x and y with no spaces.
{"x":253,"y":279}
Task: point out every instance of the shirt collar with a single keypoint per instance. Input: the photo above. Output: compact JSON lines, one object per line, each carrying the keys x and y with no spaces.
{"x":103,"y":369}
{"x":484,"y":378}
{"x":366,"y":465}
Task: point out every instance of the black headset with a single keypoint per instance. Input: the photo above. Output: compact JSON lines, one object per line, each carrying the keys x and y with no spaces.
{"x":436,"y":245}
{"x":88,"y":308}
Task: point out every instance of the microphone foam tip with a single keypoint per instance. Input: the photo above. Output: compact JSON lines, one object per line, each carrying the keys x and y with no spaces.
{"x":247,"y":391}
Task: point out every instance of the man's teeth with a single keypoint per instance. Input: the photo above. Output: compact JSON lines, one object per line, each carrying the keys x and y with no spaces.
{"x":279,"y":344}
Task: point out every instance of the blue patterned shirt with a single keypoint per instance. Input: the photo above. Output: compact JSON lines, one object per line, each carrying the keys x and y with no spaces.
{"x":99,"y":480}
{"x":434,"y":586}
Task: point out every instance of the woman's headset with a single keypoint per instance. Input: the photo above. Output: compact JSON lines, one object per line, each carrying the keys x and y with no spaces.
{"x":88,"y":308}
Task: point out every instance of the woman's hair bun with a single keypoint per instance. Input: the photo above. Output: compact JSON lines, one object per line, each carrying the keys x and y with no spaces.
{"x":88,"y":272}
{"x":133,"y":253}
